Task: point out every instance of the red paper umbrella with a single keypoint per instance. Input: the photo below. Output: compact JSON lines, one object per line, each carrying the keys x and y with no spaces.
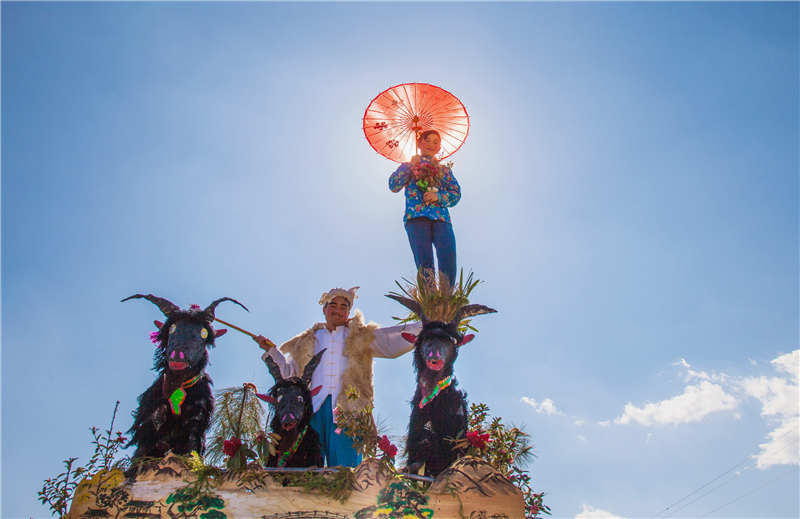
{"x":397,"y":115}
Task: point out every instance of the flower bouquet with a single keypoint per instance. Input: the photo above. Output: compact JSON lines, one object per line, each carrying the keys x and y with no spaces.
{"x":428,"y":176}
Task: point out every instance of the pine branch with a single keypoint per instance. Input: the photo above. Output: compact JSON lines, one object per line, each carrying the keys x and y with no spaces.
{"x":238,"y":415}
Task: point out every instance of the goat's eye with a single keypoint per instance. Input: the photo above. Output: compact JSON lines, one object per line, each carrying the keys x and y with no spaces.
{"x":299,"y":398}
{"x":280,"y":397}
{"x":172,"y":328}
{"x":203,"y":333}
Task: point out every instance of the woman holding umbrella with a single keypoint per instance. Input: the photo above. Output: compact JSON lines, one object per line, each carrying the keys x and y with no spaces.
{"x":430,"y":188}
{"x":425,"y":121}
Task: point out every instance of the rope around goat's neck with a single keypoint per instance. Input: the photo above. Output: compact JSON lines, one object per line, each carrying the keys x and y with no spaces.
{"x":178,"y":396}
{"x":288,"y":454}
{"x":441,"y":385}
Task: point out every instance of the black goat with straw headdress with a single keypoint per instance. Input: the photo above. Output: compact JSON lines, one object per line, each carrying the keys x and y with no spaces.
{"x":175,"y":411}
{"x":438,"y":409}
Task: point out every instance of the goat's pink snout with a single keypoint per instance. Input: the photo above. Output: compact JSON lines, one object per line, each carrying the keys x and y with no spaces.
{"x":174,"y":363}
{"x":289,"y":422}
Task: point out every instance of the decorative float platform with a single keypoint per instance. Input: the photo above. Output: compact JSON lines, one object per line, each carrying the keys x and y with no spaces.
{"x":169,"y":489}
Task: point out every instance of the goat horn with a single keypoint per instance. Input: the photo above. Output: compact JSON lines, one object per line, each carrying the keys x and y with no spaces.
{"x":308,"y":371}
{"x":274,"y":369}
{"x":209,"y":311}
{"x":469,"y":311}
{"x":166,"y":306}
{"x":410,"y":304}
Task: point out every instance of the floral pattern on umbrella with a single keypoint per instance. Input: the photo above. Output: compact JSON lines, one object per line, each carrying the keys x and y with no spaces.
{"x":397,"y":115}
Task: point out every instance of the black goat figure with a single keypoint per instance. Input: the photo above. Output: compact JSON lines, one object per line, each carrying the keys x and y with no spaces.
{"x":291,"y":398}
{"x":175,"y":411}
{"x":438,"y":409}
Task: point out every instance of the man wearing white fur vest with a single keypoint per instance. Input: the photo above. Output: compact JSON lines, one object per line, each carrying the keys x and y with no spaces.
{"x":351,"y":345}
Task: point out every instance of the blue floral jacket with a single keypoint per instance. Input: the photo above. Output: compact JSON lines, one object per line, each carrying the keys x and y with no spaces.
{"x":449,"y":194}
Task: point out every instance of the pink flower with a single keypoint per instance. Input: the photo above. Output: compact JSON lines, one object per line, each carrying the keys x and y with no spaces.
{"x":154,"y":337}
{"x":231,"y":447}
{"x":338,"y":430}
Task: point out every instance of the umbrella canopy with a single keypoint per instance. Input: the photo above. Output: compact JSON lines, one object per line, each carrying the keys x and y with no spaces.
{"x":397,"y":115}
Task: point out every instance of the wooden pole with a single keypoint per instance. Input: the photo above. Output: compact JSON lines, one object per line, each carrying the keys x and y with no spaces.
{"x":272,"y":344}
{"x":235,"y":327}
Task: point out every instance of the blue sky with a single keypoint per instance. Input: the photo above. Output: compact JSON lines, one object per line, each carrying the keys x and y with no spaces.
{"x":630,"y":197}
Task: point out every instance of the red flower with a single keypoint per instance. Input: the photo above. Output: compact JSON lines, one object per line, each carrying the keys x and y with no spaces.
{"x":231,"y":447}
{"x":478,"y":440}
{"x":386,"y":446}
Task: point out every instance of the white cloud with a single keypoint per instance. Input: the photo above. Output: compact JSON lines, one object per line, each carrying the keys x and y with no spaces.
{"x":580,"y":422}
{"x":780,"y":402}
{"x":700,"y":375}
{"x":546,"y":406}
{"x":690,"y":373}
{"x":782,"y":447}
{"x":590,"y":512}
{"x":789,"y":363}
{"x":696,"y":402}
{"x":779,"y":396}
{"x":604,"y":423}
{"x":582,"y":438}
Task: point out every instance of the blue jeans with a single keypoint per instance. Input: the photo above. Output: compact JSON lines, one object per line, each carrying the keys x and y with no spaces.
{"x":337,"y":449}
{"x":423,"y":235}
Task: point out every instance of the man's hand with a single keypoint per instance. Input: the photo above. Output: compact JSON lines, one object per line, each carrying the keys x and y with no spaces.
{"x":430,"y":197}
{"x":414,"y":160}
{"x":264,"y":343}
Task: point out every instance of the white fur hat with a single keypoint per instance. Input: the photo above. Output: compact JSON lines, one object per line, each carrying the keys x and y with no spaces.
{"x":328,"y":296}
